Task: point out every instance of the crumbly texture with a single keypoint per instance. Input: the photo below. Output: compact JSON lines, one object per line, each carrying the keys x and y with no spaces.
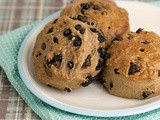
{"x":66,"y":54}
{"x":133,"y":70}
{"x":104,"y":15}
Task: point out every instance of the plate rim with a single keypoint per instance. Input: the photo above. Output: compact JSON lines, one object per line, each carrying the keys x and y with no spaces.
{"x":70,"y":108}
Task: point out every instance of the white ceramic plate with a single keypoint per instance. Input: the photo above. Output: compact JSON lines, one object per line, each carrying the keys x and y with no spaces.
{"x":92,"y":100}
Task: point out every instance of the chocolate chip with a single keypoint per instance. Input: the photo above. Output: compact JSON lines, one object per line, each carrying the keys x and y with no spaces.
{"x":133,"y":68}
{"x":43,"y":46}
{"x":56,"y":61}
{"x":107,"y":56}
{"x":146,"y":94}
{"x":158,"y":72}
{"x":89,"y":81}
{"x":67,"y":32}
{"x":116,"y":39}
{"x":67,"y":89}
{"x":96,"y":7}
{"x":82,"y":30}
{"x":55,"y":40}
{"x":70,"y":64}
{"x":142,"y":50}
{"x":99,"y":65}
{"x":85,"y":6}
{"x":92,"y":23}
{"x":82,"y":11}
{"x":50,"y":30}
{"x":101,"y":38}
{"x":109,"y":27}
{"x":139,"y":30}
{"x":77,"y":42}
{"x":78,"y":27}
{"x":82,"y":18}
{"x":102,"y":52}
{"x":145,"y":42}
{"x":94,"y":30}
{"x":87,"y":62}
{"x":70,"y":37}
{"x":116,"y":71}
{"x":110,"y":85}
{"x":55,"y":21}
{"x":39,"y":54}
{"x":58,"y":57}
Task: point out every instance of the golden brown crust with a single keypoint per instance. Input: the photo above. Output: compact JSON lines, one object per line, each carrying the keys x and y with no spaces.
{"x":133,"y":70}
{"x":67,"y":59}
{"x":141,"y":49}
{"x":101,"y":14}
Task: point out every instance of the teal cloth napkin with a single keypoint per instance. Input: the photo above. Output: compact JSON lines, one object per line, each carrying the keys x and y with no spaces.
{"x":9,"y":47}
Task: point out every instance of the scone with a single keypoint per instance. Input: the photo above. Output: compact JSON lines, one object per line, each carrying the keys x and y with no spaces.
{"x":66,"y":54}
{"x":133,"y":69}
{"x":104,"y":15}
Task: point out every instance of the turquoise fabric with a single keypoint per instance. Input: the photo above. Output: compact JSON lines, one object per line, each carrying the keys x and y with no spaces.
{"x":9,"y":47}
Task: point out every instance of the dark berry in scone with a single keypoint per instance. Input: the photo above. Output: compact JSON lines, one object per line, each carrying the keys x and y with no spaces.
{"x":66,"y":54}
{"x":133,"y":69}
{"x":104,"y":15}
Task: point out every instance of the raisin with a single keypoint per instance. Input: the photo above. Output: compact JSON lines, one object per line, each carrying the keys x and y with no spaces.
{"x":43,"y":46}
{"x":85,"y":6}
{"x":139,"y":30}
{"x":87,"y":62}
{"x":55,"y":40}
{"x":82,"y":18}
{"x":133,"y":68}
{"x":67,"y":89}
{"x":101,"y":38}
{"x":70,"y":64}
{"x":99,"y":65}
{"x":50,"y":30}
{"x":78,"y":27}
{"x":96,"y":7}
{"x":67,"y":32}
{"x":116,"y":71}
{"x":158,"y":72}
{"x":82,"y":31}
{"x":94,"y":30}
{"x":77,"y":42}
{"x":110,"y":85}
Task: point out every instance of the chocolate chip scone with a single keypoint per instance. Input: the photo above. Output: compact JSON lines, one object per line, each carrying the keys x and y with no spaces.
{"x":133,"y":70}
{"x":66,"y":54}
{"x":104,"y":15}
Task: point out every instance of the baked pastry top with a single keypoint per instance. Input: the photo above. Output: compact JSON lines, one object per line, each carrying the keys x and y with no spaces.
{"x":104,"y":15}
{"x":66,"y":54}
